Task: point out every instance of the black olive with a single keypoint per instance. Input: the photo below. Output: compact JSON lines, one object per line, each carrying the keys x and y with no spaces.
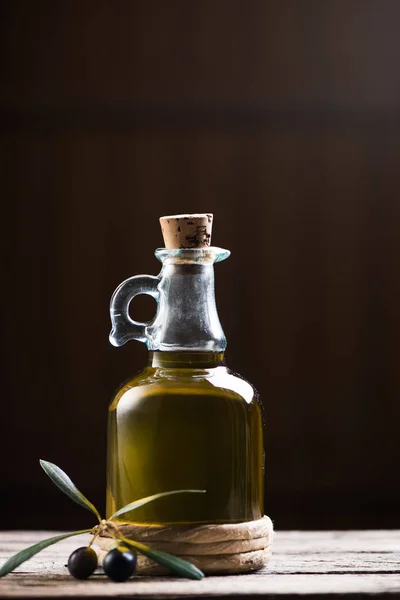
{"x":82,"y":562}
{"x":119,"y":564}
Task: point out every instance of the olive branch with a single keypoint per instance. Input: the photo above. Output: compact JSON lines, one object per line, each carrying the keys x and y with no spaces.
{"x":176,"y":565}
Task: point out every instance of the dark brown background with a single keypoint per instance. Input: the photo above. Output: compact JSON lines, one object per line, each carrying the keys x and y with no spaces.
{"x":282,"y":118}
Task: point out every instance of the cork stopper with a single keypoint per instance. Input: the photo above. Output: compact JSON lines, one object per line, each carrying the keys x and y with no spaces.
{"x":187,"y":231}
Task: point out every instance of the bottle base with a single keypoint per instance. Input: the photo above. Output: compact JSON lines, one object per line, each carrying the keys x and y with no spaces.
{"x":217,"y":548}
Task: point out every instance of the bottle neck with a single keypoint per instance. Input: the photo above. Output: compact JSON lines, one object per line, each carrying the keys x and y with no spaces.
{"x":186,"y":360}
{"x":187,"y":318}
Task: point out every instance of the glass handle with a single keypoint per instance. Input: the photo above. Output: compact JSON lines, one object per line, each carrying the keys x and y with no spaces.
{"x":123,"y":327}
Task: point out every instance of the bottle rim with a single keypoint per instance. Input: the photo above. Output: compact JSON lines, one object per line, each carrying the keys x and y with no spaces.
{"x":210,"y":255}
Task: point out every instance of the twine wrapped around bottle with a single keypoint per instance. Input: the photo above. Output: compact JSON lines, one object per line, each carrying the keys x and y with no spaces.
{"x":223,"y":549}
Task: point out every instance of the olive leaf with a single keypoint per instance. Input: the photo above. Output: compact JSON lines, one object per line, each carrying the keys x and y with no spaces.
{"x":173,"y":563}
{"x":64,"y":483}
{"x":17,"y":559}
{"x":137,"y":503}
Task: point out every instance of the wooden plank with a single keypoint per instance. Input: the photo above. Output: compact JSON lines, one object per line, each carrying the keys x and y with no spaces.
{"x":363,"y":562}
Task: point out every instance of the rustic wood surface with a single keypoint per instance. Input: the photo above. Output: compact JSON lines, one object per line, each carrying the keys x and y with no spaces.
{"x":328,"y":562}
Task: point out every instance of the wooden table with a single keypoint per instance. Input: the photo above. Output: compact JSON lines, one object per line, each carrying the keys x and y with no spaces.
{"x":307,"y":563}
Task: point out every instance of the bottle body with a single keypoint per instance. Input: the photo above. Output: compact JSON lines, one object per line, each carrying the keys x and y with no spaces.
{"x":186,"y":423}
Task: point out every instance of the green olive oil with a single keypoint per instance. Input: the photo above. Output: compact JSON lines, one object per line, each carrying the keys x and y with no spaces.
{"x":178,"y":425}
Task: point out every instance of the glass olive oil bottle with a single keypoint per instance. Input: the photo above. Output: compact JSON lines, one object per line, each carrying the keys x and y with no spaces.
{"x":185,"y":421}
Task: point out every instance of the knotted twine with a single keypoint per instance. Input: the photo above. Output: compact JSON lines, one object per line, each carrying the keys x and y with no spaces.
{"x":229,"y":548}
